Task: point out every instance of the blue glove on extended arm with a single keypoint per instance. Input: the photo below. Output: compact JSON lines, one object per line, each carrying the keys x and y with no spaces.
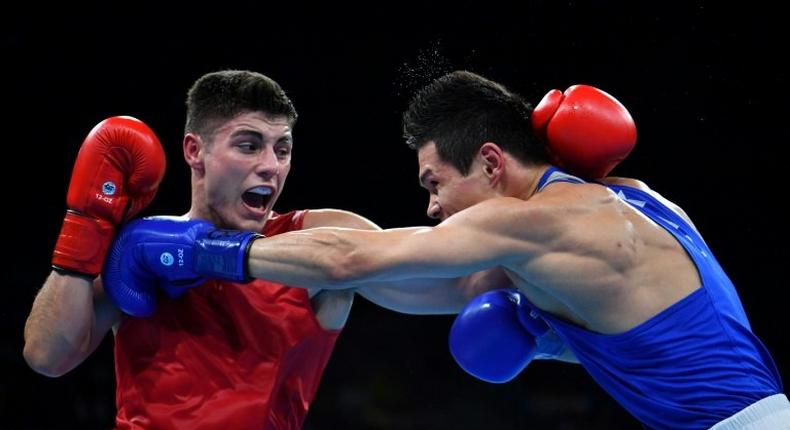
{"x":497,"y":334}
{"x":173,"y":254}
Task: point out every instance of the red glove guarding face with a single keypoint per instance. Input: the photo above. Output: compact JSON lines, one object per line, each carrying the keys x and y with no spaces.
{"x":588,"y":132}
{"x":117,"y":172}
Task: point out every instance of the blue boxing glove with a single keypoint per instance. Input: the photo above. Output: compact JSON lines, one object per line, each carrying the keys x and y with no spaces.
{"x":497,"y":334}
{"x":172,"y":254}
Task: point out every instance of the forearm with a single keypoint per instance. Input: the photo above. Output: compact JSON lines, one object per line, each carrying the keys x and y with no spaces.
{"x":58,"y":329}
{"x":325,"y":258}
{"x":335,"y":258}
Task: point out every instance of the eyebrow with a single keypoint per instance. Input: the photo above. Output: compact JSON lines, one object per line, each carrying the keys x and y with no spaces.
{"x":247,"y":133}
{"x":258,"y":135}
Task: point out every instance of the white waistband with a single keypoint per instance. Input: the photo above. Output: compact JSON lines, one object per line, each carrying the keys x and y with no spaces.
{"x":770,"y":413}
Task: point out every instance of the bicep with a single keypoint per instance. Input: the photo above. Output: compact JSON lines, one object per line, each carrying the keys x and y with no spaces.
{"x":415,"y":296}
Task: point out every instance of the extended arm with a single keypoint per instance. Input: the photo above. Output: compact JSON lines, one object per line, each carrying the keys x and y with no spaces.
{"x":488,"y":235}
{"x":413,"y":296}
{"x":179,"y":253}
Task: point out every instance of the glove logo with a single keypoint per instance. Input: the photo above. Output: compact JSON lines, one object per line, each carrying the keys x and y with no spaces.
{"x":166,"y":258}
{"x":108,"y":188}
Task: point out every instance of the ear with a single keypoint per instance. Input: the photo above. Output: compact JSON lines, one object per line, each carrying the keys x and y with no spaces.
{"x":194,"y":151}
{"x":492,"y":158}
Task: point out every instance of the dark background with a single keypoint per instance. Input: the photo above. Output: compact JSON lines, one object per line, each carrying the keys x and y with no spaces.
{"x":703,"y":82}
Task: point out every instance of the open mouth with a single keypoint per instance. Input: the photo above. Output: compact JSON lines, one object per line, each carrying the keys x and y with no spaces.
{"x":258,"y":197}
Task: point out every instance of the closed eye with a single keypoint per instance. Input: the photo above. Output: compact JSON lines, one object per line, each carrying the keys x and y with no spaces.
{"x":431,"y":186}
{"x":428,"y":181}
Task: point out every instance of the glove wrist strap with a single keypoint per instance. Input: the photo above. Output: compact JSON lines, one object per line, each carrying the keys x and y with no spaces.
{"x":223,"y":254}
{"x":82,"y":244}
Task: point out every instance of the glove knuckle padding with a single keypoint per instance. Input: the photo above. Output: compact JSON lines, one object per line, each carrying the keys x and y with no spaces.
{"x":149,"y":253}
{"x":127,"y":286}
{"x":488,"y":340}
{"x":121,"y":161}
{"x":587,"y":131}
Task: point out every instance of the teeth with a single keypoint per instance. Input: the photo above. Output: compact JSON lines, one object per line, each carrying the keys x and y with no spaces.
{"x":264,"y":191}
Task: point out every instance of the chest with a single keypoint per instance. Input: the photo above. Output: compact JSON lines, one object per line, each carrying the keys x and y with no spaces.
{"x":227,"y":316}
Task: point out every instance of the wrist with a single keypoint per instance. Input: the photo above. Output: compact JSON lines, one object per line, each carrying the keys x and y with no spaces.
{"x":549,"y":346}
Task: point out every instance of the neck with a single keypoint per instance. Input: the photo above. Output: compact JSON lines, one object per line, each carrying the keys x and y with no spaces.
{"x":522,"y":183}
{"x":198,"y":208}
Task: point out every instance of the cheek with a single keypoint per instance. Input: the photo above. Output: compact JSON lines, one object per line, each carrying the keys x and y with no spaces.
{"x":217,"y":191}
{"x":224,"y":172}
{"x":221,"y":183}
{"x":451,"y":197}
{"x":465,"y":194}
{"x":284,"y":172}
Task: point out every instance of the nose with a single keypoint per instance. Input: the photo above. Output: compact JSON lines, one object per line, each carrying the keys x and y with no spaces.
{"x":434,"y":208}
{"x":267,"y":164}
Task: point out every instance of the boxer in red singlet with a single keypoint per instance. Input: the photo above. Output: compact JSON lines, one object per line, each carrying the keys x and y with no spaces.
{"x":223,"y":355}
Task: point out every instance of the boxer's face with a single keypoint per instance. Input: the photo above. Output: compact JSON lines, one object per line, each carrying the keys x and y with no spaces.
{"x":245,"y":169}
{"x":449,"y":191}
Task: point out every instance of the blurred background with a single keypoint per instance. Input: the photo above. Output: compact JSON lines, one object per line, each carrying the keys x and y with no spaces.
{"x":703,"y":81}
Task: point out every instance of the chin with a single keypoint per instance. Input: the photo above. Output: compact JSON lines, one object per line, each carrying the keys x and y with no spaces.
{"x":253,"y":225}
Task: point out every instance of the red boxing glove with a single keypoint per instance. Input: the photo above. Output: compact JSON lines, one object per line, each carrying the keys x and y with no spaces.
{"x":588,"y":132}
{"x":117,"y":172}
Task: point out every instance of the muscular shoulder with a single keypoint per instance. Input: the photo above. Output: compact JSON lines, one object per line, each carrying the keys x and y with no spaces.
{"x":564,"y":202}
{"x":628,"y":182}
{"x":337,"y":218}
{"x":634,"y":183}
